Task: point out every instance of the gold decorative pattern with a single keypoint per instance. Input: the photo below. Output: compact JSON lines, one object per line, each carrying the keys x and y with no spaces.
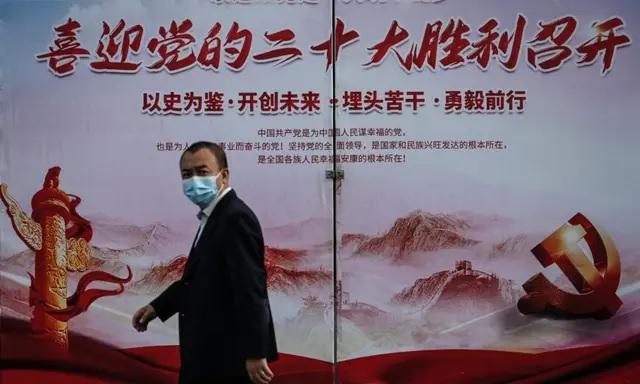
{"x":29,"y":231}
{"x":57,"y":202}
{"x":54,"y":294}
{"x":78,"y":255}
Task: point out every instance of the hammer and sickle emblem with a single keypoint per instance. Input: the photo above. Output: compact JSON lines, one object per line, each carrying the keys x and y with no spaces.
{"x":596,"y":282}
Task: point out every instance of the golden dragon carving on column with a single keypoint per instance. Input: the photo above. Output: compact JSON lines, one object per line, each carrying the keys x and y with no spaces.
{"x":60,"y":238}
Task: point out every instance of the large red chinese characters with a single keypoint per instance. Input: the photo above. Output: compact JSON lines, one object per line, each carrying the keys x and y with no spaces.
{"x":548,"y":50}
{"x":65,"y":51}
{"x":338,"y":39}
{"x":283,"y":52}
{"x":606,"y":43}
{"x":115,"y":46}
{"x":443,"y":44}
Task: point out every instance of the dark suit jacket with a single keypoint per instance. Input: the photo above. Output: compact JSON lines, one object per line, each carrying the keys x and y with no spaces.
{"x":225,"y":315}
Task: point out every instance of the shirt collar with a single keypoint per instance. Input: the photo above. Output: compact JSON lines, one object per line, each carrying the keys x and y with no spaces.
{"x":208,"y":210}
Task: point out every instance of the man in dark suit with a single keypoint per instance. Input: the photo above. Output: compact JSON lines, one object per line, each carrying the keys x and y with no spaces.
{"x":225,"y":324}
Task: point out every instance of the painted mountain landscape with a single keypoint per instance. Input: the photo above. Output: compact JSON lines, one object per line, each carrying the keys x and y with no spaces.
{"x":429,"y":281}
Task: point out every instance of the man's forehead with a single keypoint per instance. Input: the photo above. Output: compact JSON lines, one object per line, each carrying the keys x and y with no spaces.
{"x":199,"y":160}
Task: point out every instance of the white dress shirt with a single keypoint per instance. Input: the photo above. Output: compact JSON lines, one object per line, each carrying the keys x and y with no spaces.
{"x":206,"y":213}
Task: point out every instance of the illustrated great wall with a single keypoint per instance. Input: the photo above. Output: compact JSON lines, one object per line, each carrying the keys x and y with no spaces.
{"x":461,"y":284}
{"x":438,"y":291}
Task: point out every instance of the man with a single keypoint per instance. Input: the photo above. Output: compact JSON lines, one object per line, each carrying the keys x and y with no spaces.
{"x":225,"y":324}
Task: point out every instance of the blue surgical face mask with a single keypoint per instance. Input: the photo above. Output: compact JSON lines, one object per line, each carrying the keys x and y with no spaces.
{"x":201,"y":190}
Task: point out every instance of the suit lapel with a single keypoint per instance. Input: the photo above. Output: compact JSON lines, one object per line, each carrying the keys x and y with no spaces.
{"x":199,"y":246}
{"x":195,"y":238}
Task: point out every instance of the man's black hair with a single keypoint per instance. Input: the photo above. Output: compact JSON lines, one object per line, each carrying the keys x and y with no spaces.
{"x":218,"y":152}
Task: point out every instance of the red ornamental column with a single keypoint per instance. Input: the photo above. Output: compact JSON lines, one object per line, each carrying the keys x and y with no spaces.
{"x":51,"y":210}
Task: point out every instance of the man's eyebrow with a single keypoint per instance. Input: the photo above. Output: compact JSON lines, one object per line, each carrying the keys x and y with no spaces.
{"x":197,"y":167}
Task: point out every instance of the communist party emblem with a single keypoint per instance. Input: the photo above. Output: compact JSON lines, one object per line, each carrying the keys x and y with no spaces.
{"x":596,"y":281}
